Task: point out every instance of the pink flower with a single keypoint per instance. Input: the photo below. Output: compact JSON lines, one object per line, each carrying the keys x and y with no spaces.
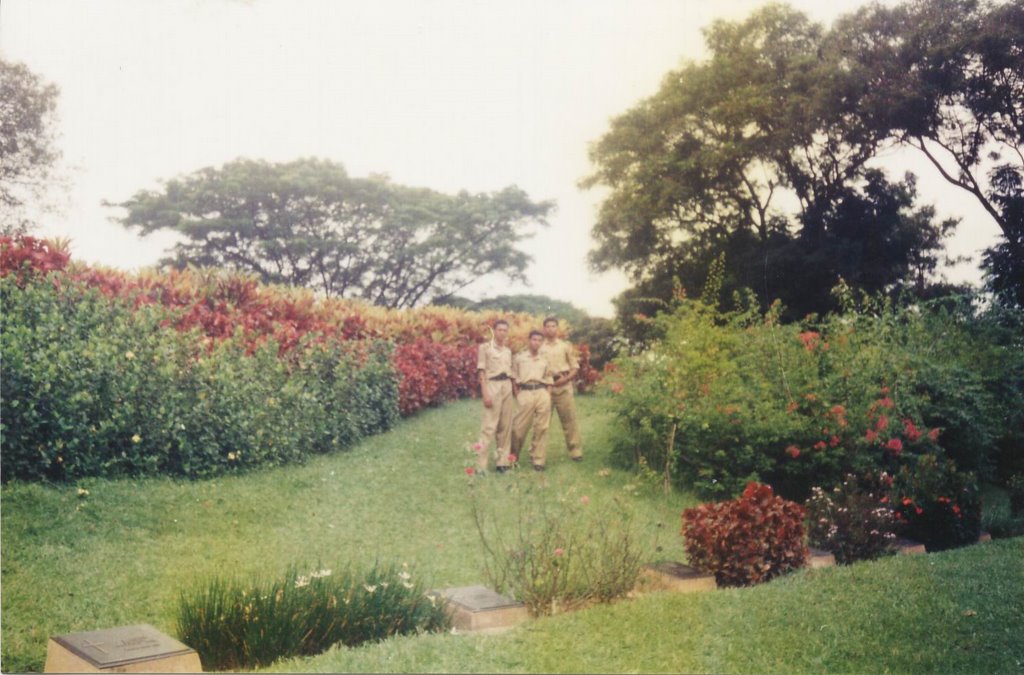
{"x":870,"y":436}
{"x":512,"y":458}
{"x":896,"y":445}
{"x":911,"y":431}
{"x":478,"y":446}
{"x":559,"y":552}
{"x":469,"y":471}
{"x":584,"y":499}
{"x":793,"y":451}
{"x":882,"y":423}
{"x":820,"y":445}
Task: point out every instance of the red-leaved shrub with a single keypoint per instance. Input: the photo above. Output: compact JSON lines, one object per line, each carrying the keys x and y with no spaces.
{"x":747,"y":540}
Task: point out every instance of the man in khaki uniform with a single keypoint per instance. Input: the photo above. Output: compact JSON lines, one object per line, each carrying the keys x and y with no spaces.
{"x":531,"y":379}
{"x":494,"y":366}
{"x":561,"y":358}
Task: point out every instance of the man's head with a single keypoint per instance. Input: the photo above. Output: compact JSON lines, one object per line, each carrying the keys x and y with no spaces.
{"x":536,"y":338}
{"x":500,"y":331}
{"x":551,"y":327}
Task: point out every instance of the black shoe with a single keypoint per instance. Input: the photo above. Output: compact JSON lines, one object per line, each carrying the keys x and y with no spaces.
{"x":538,"y":467}
{"x":501,"y":469}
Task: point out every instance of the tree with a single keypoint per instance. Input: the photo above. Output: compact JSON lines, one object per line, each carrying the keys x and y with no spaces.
{"x":308,"y":223}
{"x":538,"y":305}
{"x":755,"y":153}
{"x":28,"y":153}
{"x":946,"y":77}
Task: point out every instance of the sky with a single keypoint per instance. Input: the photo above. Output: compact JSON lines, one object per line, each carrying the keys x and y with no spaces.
{"x":447,"y":94}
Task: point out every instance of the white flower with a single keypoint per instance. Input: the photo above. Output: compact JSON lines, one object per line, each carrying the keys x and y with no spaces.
{"x":369,"y":588}
{"x":407,"y":585}
{"x":301,"y":581}
{"x":319,"y":574}
{"x":404,"y":576}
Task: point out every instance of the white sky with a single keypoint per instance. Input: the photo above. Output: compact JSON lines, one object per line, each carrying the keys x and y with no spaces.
{"x":446,"y":94}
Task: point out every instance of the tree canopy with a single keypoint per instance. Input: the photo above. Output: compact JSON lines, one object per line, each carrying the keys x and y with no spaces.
{"x":28,"y":151}
{"x":765,"y":152}
{"x":309,"y":223}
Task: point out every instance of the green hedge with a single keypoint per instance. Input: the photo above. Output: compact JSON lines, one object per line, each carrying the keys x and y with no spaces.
{"x":95,"y":387}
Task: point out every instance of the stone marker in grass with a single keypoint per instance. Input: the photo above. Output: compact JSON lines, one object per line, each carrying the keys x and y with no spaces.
{"x":820,"y":558}
{"x":479,"y":609}
{"x":125,"y":649}
{"x":675,"y":576}
{"x":906,"y":546}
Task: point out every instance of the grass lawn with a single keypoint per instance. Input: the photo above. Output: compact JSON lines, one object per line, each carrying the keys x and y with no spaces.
{"x":122,"y":554}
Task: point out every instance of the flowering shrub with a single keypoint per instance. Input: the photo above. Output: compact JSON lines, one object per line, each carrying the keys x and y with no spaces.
{"x":748,"y":540}
{"x":854,"y":520}
{"x":937,"y":504}
{"x":725,"y":398}
{"x":95,"y":387}
{"x":235,"y":625}
{"x":558,"y":551}
{"x":437,"y":345}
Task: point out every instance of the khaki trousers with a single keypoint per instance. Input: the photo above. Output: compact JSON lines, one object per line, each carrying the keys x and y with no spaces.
{"x":535,"y":408}
{"x":496,"y":424}
{"x":563,"y":400}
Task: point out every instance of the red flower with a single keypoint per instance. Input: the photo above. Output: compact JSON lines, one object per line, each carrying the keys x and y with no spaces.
{"x":933,"y":435}
{"x":886,"y":402}
{"x":911,"y":431}
{"x":469,"y":471}
{"x":834,"y":441}
{"x":559,"y":552}
{"x":943,"y":500}
{"x":838,"y":410}
{"x":810,"y":339}
{"x":884,"y":500}
{"x":793,"y":451}
{"x":907,"y":501}
{"x":885,"y":390}
{"x":882,"y":423}
{"x":870,"y":436}
{"x":791,"y":407}
{"x":616,"y":387}
{"x":512,"y":458}
{"x":820,"y":445}
{"x":918,"y":510}
{"x":956,"y":509}
{"x":896,"y":445}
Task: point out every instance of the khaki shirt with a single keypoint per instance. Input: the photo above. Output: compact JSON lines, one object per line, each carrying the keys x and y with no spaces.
{"x":560,"y":355}
{"x":494,"y":360}
{"x":528,"y":368}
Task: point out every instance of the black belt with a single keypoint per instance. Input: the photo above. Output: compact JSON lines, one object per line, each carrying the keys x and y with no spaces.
{"x":503,"y":376}
{"x":531,"y":387}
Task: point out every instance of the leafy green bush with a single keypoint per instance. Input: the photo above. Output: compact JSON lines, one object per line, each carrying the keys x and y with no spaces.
{"x":853,"y":520}
{"x":236,"y":624}
{"x":748,"y":540}
{"x":97,"y":387}
{"x":726,"y":398}
{"x":558,"y":551}
{"x":937,"y":504}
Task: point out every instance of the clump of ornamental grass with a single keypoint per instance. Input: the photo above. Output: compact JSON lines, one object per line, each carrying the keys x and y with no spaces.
{"x":558,"y":549}
{"x":241,"y":624}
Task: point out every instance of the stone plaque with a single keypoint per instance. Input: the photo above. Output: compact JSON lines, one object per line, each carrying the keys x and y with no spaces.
{"x":124,"y":649}
{"x":820,"y":558}
{"x":480,"y":609}
{"x":675,"y":576}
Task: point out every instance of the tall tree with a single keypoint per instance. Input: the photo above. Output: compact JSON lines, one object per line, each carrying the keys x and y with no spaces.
{"x":309,"y":223}
{"x":947,"y":77}
{"x":756,"y":153}
{"x":28,"y":152}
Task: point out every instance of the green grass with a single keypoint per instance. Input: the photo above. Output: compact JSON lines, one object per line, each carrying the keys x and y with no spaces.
{"x":954,"y":612}
{"x":123,"y":554}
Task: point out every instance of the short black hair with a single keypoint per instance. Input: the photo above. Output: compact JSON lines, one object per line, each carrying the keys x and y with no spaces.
{"x":536,"y":332}
{"x":500,"y":322}
{"x":550,"y":319}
